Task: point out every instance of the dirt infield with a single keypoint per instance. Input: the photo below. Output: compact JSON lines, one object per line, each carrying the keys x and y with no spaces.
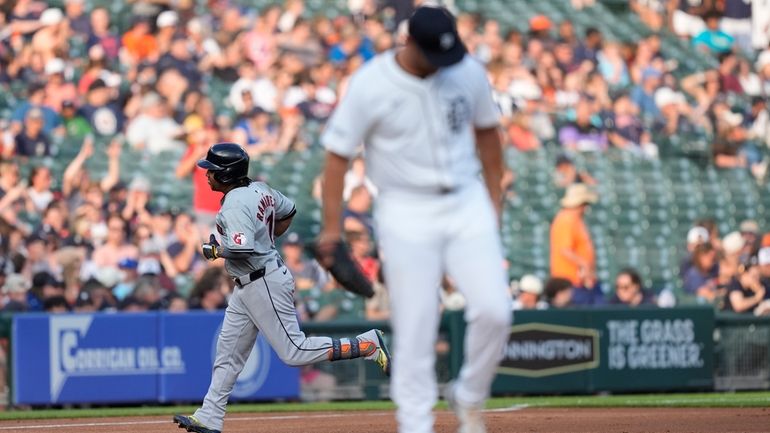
{"x":621,"y":420}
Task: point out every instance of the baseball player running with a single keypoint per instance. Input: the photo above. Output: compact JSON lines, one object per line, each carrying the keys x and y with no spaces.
{"x":251,"y":216}
{"x":426,"y":117}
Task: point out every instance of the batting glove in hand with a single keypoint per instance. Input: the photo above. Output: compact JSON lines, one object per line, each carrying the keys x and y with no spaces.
{"x":211,"y":249}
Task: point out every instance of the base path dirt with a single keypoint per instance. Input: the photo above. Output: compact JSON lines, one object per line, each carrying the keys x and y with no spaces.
{"x":524,"y":420}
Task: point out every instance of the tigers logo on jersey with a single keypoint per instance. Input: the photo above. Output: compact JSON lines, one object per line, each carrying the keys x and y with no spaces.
{"x":458,"y":113}
{"x":239,"y":238}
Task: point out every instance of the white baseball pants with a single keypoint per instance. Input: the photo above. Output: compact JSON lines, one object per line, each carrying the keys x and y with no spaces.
{"x":423,"y":237}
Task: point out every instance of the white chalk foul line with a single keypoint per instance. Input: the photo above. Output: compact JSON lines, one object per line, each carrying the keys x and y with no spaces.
{"x":513,"y":408}
{"x":156,"y":422}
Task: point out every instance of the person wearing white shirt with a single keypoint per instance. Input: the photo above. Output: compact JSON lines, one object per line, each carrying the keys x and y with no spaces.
{"x":432,"y":147}
{"x":154,"y":130}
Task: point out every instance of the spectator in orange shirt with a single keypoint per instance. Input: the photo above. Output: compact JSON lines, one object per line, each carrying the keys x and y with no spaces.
{"x":572,"y":252}
{"x":139,"y":43}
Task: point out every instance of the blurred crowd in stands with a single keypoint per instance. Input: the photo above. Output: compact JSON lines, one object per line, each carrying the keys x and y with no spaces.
{"x":141,"y":80}
{"x":730,"y":272}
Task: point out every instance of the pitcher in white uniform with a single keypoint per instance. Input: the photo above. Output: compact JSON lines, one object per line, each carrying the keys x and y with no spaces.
{"x":252,"y":215}
{"x":429,"y":126}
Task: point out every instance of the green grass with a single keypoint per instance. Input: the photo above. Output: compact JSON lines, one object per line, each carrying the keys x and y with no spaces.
{"x":743,"y":399}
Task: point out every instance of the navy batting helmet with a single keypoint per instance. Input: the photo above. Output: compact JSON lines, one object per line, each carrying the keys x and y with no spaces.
{"x":228,"y":161}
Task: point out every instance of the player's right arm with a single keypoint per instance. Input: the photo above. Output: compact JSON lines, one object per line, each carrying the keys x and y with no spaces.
{"x":285,"y":209}
{"x":343,"y":134}
{"x":283,"y":225}
{"x":331,"y":196}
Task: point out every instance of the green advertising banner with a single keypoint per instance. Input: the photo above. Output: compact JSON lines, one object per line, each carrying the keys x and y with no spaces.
{"x":564,"y":351}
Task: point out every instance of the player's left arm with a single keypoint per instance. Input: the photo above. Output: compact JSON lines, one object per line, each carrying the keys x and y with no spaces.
{"x":237,"y":228}
{"x":490,"y":151}
{"x":486,"y":122}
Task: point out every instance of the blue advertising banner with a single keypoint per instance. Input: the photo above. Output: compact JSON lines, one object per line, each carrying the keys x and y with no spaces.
{"x":112,"y":358}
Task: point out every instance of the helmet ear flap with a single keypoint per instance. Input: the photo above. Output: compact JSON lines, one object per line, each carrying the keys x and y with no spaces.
{"x":233,"y":172}
{"x":220,"y":177}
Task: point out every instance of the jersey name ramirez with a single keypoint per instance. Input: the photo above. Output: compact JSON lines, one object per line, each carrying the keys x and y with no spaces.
{"x":265,"y":203}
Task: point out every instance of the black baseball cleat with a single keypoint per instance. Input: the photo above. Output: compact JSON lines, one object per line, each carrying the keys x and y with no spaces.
{"x":191,"y":424}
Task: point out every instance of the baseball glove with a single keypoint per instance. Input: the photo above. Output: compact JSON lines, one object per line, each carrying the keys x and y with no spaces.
{"x":336,"y":259}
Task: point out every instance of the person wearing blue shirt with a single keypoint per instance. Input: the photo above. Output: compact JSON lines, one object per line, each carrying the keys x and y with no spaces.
{"x":714,"y":40}
{"x":701,"y":277}
{"x":36,"y":95}
{"x":588,"y":295}
{"x":643,"y":94}
{"x":352,"y":44}
{"x":256,"y":132}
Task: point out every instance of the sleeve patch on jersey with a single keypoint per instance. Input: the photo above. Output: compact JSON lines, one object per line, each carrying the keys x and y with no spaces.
{"x":220,"y":230}
{"x":239,"y":238}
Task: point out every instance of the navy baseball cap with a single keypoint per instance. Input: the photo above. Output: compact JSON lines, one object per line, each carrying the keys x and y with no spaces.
{"x":434,"y":30}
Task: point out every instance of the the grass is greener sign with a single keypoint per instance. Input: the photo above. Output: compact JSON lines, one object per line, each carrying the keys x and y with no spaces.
{"x":653,"y":344}
{"x":609,"y":349}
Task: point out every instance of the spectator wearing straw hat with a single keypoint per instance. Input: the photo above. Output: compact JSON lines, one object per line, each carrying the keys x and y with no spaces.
{"x":572,"y":251}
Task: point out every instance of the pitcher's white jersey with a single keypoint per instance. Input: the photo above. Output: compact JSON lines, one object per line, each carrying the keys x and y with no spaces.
{"x":418,"y":133}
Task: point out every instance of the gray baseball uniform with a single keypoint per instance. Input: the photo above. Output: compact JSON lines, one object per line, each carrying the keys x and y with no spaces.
{"x":263,"y":300}
{"x":246,"y":223}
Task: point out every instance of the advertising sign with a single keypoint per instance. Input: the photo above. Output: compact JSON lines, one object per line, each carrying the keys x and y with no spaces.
{"x":541,"y":349}
{"x":607,"y":349}
{"x":110,"y":358}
